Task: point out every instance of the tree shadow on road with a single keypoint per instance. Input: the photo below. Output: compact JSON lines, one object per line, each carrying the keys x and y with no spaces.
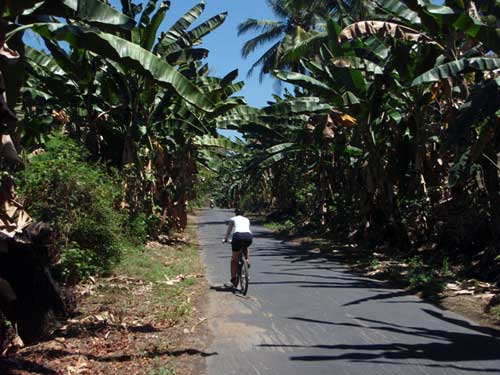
{"x":459,"y":346}
{"x":462,"y":343}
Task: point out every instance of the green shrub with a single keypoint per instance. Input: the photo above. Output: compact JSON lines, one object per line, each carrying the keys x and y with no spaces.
{"x":285,"y":226}
{"x":423,"y":278}
{"x":138,"y":228}
{"x":78,"y":200}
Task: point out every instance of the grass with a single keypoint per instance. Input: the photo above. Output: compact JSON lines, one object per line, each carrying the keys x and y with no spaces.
{"x":427,"y":279}
{"x":495,"y":311}
{"x":160,"y":369}
{"x":155,"y":265}
{"x":142,"y":288}
{"x":285,"y":226}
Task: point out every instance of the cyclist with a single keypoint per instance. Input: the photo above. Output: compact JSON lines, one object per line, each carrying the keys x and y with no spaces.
{"x":242,"y":239}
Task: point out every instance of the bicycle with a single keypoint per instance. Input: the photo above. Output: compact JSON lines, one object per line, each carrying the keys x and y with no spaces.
{"x":242,"y":276}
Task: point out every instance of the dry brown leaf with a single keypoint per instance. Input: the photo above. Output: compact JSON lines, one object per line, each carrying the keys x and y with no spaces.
{"x":79,"y":368}
{"x":453,"y":286}
{"x":201,"y":320}
{"x":464,"y":292}
{"x":384,"y":29}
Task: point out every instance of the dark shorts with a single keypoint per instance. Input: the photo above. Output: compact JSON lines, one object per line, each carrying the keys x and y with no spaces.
{"x":241,"y":240}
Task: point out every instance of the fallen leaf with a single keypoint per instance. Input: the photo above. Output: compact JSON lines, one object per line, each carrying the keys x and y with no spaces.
{"x":201,"y":320}
{"x":453,"y":286}
{"x":79,"y":368}
{"x":486,"y":297}
{"x":464,"y":292}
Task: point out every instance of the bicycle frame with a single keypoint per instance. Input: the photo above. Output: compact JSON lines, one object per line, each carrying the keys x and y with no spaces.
{"x":242,"y":277}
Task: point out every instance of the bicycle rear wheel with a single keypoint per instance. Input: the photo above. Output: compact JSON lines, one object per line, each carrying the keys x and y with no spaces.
{"x":243,"y":276}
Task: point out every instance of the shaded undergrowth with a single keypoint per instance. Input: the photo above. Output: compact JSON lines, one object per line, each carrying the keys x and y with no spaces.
{"x":138,"y":320}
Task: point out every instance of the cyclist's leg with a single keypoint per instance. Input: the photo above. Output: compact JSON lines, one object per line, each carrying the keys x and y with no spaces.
{"x":234,"y":265}
{"x":236,"y":248}
{"x":248,"y":242}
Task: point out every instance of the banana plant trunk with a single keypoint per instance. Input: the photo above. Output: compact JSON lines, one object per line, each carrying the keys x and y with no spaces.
{"x":382,"y":215}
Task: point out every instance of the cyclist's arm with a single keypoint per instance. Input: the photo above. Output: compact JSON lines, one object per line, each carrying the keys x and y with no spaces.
{"x":229,"y":229}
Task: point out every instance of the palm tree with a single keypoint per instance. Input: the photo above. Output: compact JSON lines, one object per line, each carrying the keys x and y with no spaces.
{"x":297,"y":20}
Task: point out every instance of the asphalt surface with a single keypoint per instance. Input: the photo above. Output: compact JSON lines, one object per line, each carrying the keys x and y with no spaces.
{"x":305,"y":314}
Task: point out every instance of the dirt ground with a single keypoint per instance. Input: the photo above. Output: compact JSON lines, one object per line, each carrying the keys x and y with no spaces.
{"x":127,"y":325}
{"x":98,"y":342}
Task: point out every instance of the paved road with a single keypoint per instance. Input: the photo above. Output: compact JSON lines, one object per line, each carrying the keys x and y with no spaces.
{"x":309,"y":315}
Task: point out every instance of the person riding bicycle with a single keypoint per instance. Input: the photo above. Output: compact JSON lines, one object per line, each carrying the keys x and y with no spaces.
{"x":242,"y":239}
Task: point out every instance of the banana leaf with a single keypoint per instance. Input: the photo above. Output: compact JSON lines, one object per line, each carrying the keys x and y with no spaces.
{"x":185,"y":55}
{"x":206,"y":28}
{"x":490,"y":36}
{"x":150,"y":7}
{"x":91,"y":11}
{"x":43,"y":60}
{"x":357,"y":63}
{"x":178,"y":28}
{"x":277,"y":153}
{"x":17,"y":7}
{"x":151,"y":29}
{"x":383,"y":29}
{"x":126,"y":53}
{"x":399,"y":9}
{"x":220,"y":142}
{"x":454,"y":68}
{"x":305,"y":81}
{"x":296,"y":106}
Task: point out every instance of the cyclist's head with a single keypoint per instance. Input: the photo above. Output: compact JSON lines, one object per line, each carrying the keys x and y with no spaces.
{"x":239,"y":212}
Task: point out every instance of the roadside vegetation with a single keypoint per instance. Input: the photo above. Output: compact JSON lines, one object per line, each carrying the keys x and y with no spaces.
{"x":107,"y":119}
{"x":78,"y":200}
{"x":138,"y":319}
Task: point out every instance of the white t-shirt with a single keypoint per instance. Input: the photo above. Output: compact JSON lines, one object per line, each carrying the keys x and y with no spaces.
{"x":240,"y":224}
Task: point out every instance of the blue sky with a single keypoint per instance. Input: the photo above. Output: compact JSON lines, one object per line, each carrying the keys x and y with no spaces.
{"x":224,"y":44}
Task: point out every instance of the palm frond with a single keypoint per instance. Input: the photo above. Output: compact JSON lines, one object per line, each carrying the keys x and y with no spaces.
{"x":252,"y":24}
{"x":304,"y":47}
{"x":265,"y":61}
{"x":261,"y":39}
{"x":279,"y":8}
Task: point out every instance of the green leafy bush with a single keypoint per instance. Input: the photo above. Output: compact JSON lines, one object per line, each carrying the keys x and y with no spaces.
{"x":286,"y":226}
{"x":78,"y":200}
{"x":422,"y":277}
{"x":138,"y":228}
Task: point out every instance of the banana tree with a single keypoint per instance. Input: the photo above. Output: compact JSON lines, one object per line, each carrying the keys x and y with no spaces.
{"x":142,"y":105}
{"x":450,"y":43}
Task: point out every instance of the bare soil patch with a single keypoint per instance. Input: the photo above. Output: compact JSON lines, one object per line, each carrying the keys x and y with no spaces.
{"x":145,"y":319}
